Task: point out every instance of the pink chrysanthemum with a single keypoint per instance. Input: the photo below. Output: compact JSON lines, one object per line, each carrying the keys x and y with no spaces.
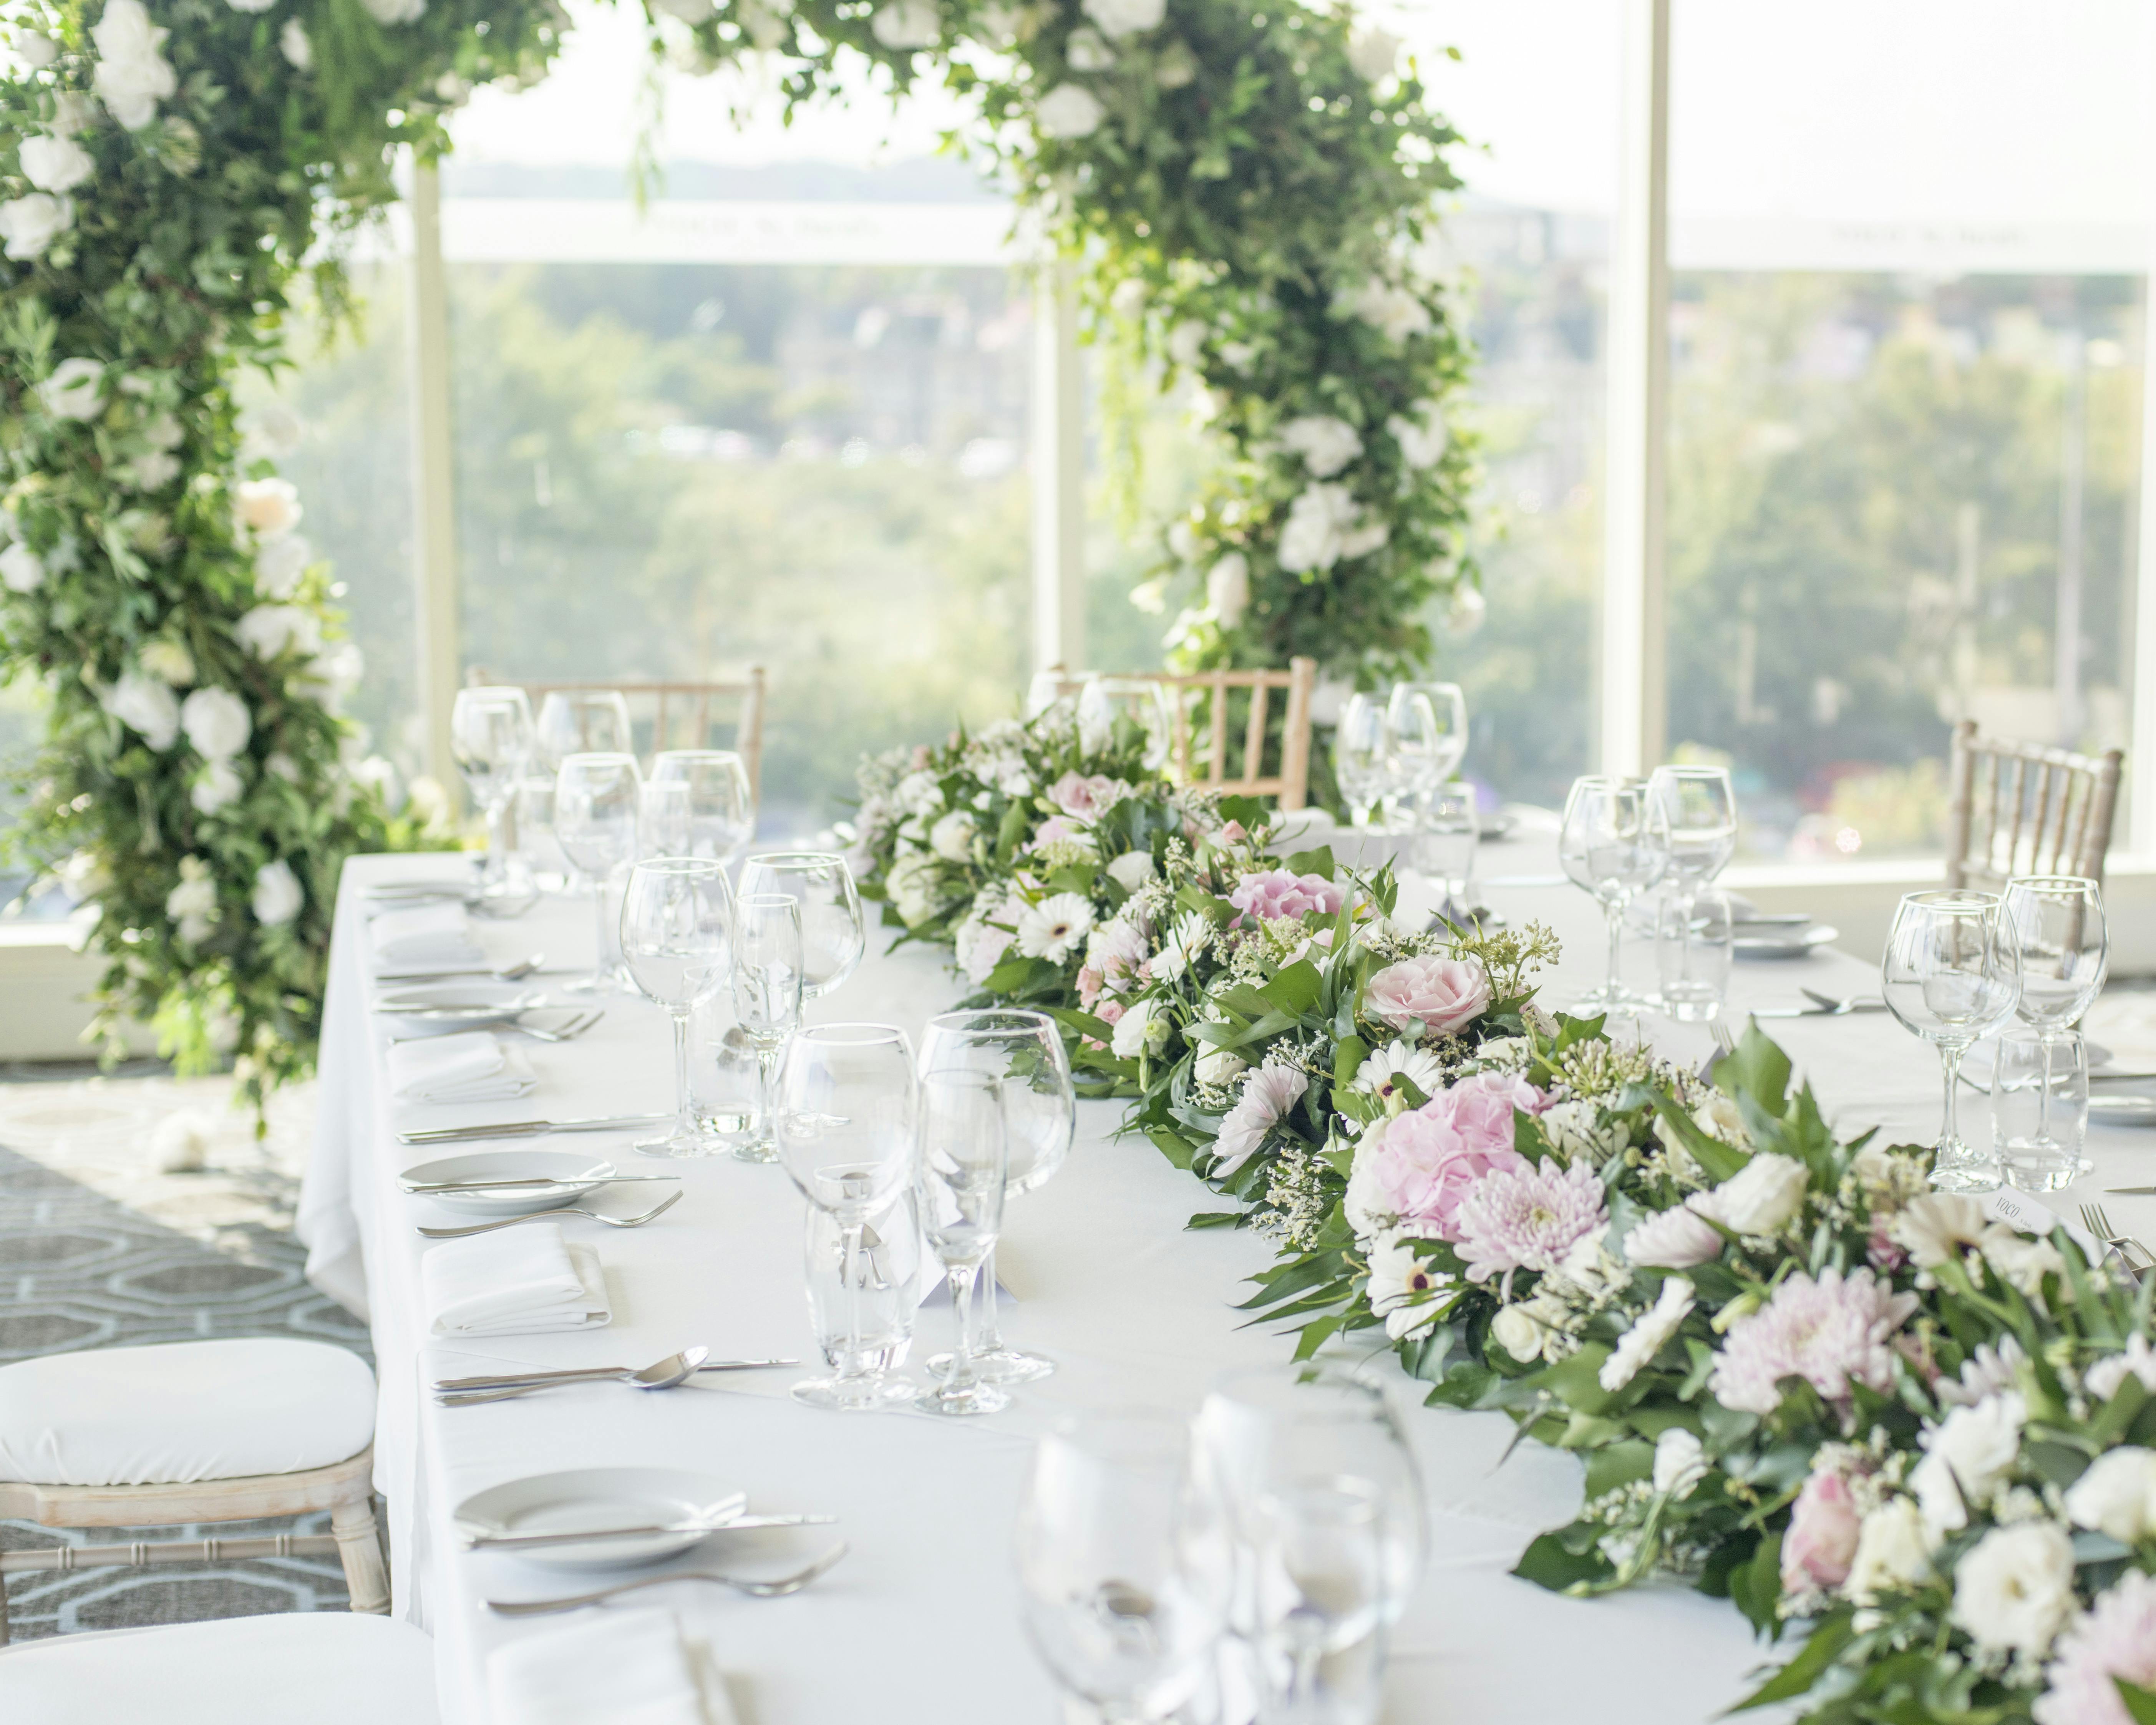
{"x":1529,"y":1218}
{"x":2115,"y":1637}
{"x":1832,"y":1333}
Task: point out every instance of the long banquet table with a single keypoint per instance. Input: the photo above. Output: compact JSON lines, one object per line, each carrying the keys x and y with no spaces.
{"x":921,"y":1621}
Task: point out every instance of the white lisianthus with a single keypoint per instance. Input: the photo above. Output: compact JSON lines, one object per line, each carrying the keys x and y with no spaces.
{"x":1680,"y":1462}
{"x":34,"y":50}
{"x":1893,"y":1551}
{"x":1392,"y":310}
{"x":132,"y":74}
{"x":297,"y":47}
{"x":144,"y":705}
{"x":217,"y":722}
{"x":1763,"y":1197}
{"x":1185,"y":943}
{"x":1967,"y":1456}
{"x":278,"y":894}
{"x":1142,"y":1029}
{"x":951,"y":837}
{"x":1055,"y":928}
{"x":1186,"y":346}
{"x":1648,"y":1335}
{"x":1373,"y":52}
{"x":268,"y":507}
{"x":1528,"y":1332}
{"x":1326,"y":445}
{"x":269,"y":630}
{"x":280,"y":564}
{"x":74,"y":390}
{"x":1087,"y":51}
{"x":1317,"y":522}
{"x":1131,"y":869}
{"x":904,"y":24}
{"x":192,"y":903}
{"x":1401,"y":1287}
{"x":22,"y":569}
{"x":1068,"y":111}
{"x":1218,"y":1066}
{"x":2108,"y":1375}
{"x":217,"y":784}
{"x":1227,"y":589}
{"x":32,"y":223}
{"x":169,"y":662}
{"x":2117,"y":1495}
{"x":911,"y":885}
{"x":2014,"y":1591}
{"x":54,"y":164}
{"x":1125,"y":17}
{"x":1422,"y":438}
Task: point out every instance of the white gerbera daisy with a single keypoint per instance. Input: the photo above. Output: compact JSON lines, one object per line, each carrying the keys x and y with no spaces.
{"x":1055,"y":928}
{"x":1379,"y":1076}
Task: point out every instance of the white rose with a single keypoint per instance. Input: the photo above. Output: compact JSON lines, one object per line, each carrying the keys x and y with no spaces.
{"x":1086,"y":51}
{"x":1680,"y":1462}
{"x":1186,"y":346}
{"x":2016,"y":1590}
{"x":951,"y":837}
{"x":1763,"y":1197}
{"x":1373,"y":52}
{"x":55,"y":164}
{"x":168,"y":662}
{"x":1218,"y":1066}
{"x":1131,"y":869}
{"x":911,"y":886}
{"x":1422,"y":439}
{"x":73,"y":111}
{"x":250,"y":5}
{"x":269,"y":630}
{"x":394,"y":12}
{"x":904,"y":24}
{"x":1125,"y":17}
{"x":1393,"y":310}
{"x":152,"y":471}
{"x":334,"y":673}
{"x":690,"y":12}
{"x":1068,"y":111}
{"x":132,"y":76}
{"x":1514,"y":1330}
{"x":1227,"y":589}
{"x":2117,"y":1495}
{"x":269,"y":507}
{"x":75,"y":389}
{"x":1315,"y":521}
{"x":280,"y":564}
{"x":34,"y":50}
{"x":146,"y":705}
{"x":218,"y":784}
{"x":21,"y":568}
{"x":918,"y":794}
{"x":297,"y":47}
{"x":1143,"y":1027}
{"x":217,"y":722}
{"x":1364,"y":540}
{"x":1967,"y":1456}
{"x":192,"y":903}
{"x":1326,"y":445}
{"x":1893,"y":1551}
{"x":31,"y":224}
{"x":278,"y":894}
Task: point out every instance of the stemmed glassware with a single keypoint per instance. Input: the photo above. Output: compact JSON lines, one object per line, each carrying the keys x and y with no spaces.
{"x":662,"y":820}
{"x":767,"y":998}
{"x":1359,"y":743}
{"x":958,"y":1194}
{"x":1952,"y":974}
{"x":849,"y":1118}
{"x":490,"y":738}
{"x":1428,"y":723}
{"x":1614,"y":843}
{"x":675,"y":920}
{"x":721,"y":806}
{"x":1022,"y":1052}
{"x":2056,"y":924}
{"x":583,"y":721}
{"x":833,"y":935}
{"x":1698,"y":807}
{"x":597,"y":801}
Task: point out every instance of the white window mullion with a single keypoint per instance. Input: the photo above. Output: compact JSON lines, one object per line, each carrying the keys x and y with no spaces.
{"x":433,"y":503}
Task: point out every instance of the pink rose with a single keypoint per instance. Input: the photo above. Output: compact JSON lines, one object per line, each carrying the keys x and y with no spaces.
{"x":1089,"y":987}
{"x":1118,"y":952}
{"x":1822,"y":1542}
{"x":1084,"y":797}
{"x":1277,"y":893}
{"x":920,"y":758}
{"x":1429,"y":996}
{"x":1056,"y":830}
{"x":1110,"y":1011}
{"x":1233,"y":832}
{"x":1427,"y":1160}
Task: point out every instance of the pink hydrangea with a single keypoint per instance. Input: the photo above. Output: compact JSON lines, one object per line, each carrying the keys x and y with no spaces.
{"x":2115,"y":1637}
{"x":1833,"y":1332}
{"x":1822,"y":1542}
{"x":1429,"y":996}
{"x":1277,"y":893}
{"x":1425,"y":1161}
{"x":1087,"y":798}
{"x":1524,"y":1218}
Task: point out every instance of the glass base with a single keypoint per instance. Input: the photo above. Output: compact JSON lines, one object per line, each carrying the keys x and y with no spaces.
{"x":764,"y":1150}
{"x":1959,"y":1170}
{"x":999,"y":1365}
{"x":856,"y":1395}
{"x":2045,"y":1175}
{"x":977,"y":1398}
{"x":681,"y":1146}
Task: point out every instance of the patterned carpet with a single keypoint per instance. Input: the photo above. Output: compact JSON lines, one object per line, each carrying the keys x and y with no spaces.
{"x":100,"y":1249}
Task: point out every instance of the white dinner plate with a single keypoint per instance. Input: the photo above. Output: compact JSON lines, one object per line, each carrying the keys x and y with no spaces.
{"x":419,"y":1008}
{"x":596,"y":1497}
{"x":2122,"y":1108}
{"x":1777,"y":943}
{"x":570,"y":1174}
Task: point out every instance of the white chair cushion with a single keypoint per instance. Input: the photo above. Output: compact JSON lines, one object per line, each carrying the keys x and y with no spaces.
{"x":321,"y":1668}
{"x":184,"y":1412}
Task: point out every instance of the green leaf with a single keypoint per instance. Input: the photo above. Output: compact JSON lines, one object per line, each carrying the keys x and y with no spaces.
{"x":1177,"y":1148}
{"x":1547,"y":1563}
{"x":1755,"y":1585}
{"x":1295,"y":989}
{"x":1795,"y":1678}
{"x":1758,"y":1070}
{"x":2140,"y":1703}
{"x":1318,"y":862}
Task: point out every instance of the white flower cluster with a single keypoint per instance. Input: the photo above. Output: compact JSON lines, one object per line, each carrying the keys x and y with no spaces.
{"x":132,"y":74}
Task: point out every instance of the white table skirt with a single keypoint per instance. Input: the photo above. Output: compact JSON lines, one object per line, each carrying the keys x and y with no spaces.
{"x":921,"y":1621}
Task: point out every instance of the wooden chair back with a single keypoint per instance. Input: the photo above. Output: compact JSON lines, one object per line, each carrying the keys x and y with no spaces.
{"x":1189,"y":697}
{"x":682,"y":716}
{"x":2025,"y":809}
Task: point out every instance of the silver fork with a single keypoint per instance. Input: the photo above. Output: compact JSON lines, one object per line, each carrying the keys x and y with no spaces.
{"x":755,"y":1589}
{"x":567,"y":1031}
{"x":1724,"y":1043}
{"x":2127,"y":1248}
{"x":567,"y":1209}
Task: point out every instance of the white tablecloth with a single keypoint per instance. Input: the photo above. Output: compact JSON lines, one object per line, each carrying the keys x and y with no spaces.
{"x":921,"y":1621}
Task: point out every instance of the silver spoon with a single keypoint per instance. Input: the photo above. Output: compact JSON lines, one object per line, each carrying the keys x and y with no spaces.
{"x":660,"y":1374}
{"x":755,"y":1589}
{"x":656,"y":1210}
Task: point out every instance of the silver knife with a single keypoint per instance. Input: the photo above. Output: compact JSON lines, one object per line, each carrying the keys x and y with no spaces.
{"x":540,"y":1379}
{"x":529,"y":1128}
{"x":534,"y":1542}
{"x":2130,"y":1191}
{"x":429,"y":1186}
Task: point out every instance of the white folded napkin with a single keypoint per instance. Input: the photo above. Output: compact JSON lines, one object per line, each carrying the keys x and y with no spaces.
{"x":516,"y":1282}
{"x":469,"y":1066}
{"x":423,"y":937}
{"x":619,"y":1667}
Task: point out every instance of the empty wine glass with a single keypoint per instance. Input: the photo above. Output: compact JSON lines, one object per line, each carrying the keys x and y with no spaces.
{"x":1614,"y":843}
{"x":2056,"y":923}
{"x":1446,"y":729}
{"x":1122,"y":1567}
{"x":721,"y":806}
{"x":1415,"y":749}
{"x":1358,"y":756}
{"x":1952,"y":975}
{"x":767,"y":998}
{"x":674,"y":922}
{"x":597,"y":802}
{"x":1698,"y":807}
{"x":848,"y":1128}
{"x":662,"y":820}
{"x":833,"y":937}
{"x":491,"y":740}
{"x":583,"y":721}
{"x":1023,"y":1052}
{"x":958,"y":1194}
{"x":1448,"y":829}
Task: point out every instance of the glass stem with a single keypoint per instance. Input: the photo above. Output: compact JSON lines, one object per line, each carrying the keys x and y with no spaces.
{"x":1615,"y":917}
{"x":684,"y":1105}
{"x":963,"y":1278}
{"x":2044,"y":1095}
{"x":497,"y":838}
{"x":991,"y":1335}
{"x":1950,"y":1059}
{"x":849,"y":1252}
{"x":767,"y":1075}
{"x":1685,"y":900}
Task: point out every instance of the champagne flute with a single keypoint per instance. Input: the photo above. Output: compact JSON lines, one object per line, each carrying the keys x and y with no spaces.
{"x":597,"y":798}
{"x":847,"y":1118}
{"x":958,"y":1193}
{"x":1951,"y":976}
{"x":1614,"y":843}
{"x":1358,"y":756}
{"x":833,"y":935}
{"x":583,"y":721}
{"x":722,"y":805}
{"x":1699,"y":807}
{"x":767,"y":998}
{"x":2056,"y":924}
{"x":1023,"y":1052}
{"x":674,"y":922}
{"x":490,"y":740}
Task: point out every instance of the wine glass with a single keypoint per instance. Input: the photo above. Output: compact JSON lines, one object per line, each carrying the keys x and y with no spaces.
{"x":767,"y":998}
{"x":1358,"y":756}
{"x":597,"y":798}
{"x":583,"y":721}
{"x":1614,"y":843}
{"x":1023,"y":1052}
{"x":1415,"y":750}
{"x":722,"y":805}
{"x":1952,"y":975}
{"x":1123,"y":1569}
{"x":491,"y":740}
{"x":2056,"y":924}
{"x":833,"y":937}
{"x":1447,"y":713}
{"x":958,"y":1194}
{"x":662,"y":820}
{"x":1698,"y":806}
{"x":848,"y":1112}
{"x":675,"y":918}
